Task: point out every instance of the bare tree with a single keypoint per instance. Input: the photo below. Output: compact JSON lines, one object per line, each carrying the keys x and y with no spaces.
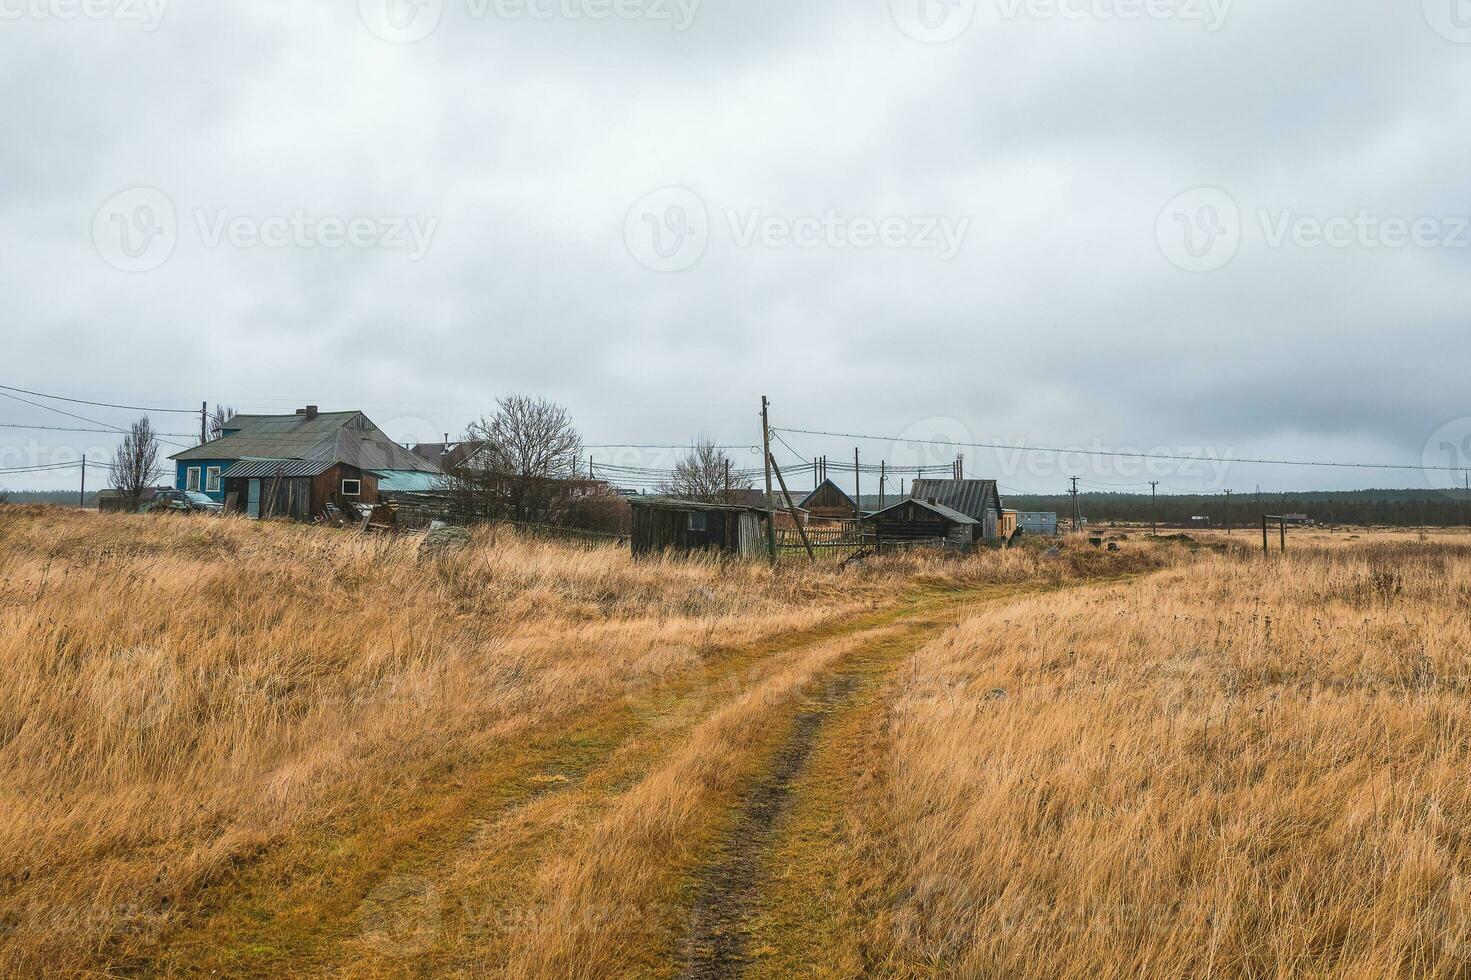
{"x":525,"y":454}
{"x":700,"y":474}
{"x":218,"y":419}
{"x":135,"y":467}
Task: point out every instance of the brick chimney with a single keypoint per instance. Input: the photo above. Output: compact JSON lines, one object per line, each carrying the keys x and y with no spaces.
{"x":310,"y":412}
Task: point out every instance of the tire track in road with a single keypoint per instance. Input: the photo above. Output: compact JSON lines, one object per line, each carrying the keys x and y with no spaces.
{"x":721,"y":942}
{"x":735,"y":929}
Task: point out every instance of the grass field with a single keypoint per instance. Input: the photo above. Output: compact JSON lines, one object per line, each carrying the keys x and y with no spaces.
{"x":231,"y":748}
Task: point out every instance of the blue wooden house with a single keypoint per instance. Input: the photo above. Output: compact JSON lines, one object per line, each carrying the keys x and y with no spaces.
{"x":295,"y":465}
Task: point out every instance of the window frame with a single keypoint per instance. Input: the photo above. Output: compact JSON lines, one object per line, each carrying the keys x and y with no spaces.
{"x":356,"y":493}
{"x":212,"y":481}
{"x":699,"y":521}
{"x":192,"y":477}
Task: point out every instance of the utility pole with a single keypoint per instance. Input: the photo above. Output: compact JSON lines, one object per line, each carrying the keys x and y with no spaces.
{"x":727,"y":482}
{"x":203,"y":423}
{"x":883,"y":481}
{"x":792,"y":509}
{"x":857,"y":489}
{"x":770,"y":509}
{"x":1154,"y":506}
{"x":82,"y":498}
{"x":1228,"y":513}
{"x":1077,"y":515}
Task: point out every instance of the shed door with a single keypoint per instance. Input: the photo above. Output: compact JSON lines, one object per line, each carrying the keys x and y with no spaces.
{"x":751,"y":542}
{"x":252,"y":499}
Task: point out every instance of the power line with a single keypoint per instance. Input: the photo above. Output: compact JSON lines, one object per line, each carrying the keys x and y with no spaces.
{"x":42,"y":468}
{"x":82,"y":401}
{"x":1124,"y":455}
{"x":79,"y":418}
{"x":54,"y":428}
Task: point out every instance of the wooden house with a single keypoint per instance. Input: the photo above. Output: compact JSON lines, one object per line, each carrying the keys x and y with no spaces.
{"x":296,"y":465}
{"x":664,"y":525}
{"x":829,"y":502}
{"x":913,"y":521}
{"x":979,"y":500}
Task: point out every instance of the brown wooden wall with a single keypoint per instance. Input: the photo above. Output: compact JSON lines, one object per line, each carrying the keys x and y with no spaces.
{"x":326,"y":489}
{"x":657,"y":529}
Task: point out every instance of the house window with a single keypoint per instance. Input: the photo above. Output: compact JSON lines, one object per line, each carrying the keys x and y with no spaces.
{"x":697,"y":521}
{"x":191,"y":478}
{"x":212,"y":479}
{"x":352,"y":488}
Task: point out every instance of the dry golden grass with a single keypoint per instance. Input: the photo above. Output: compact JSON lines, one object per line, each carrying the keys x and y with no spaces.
{"x":1233,"y":768}
{"x":181,"y":696}
{"x":177,"y":694}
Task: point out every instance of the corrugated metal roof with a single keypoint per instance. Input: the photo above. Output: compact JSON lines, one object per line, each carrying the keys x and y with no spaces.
{"x":950,"y":514}
{"x":254,"y":469}
{"x":668,"y":503}
{"x":971,"y":497}
{"x":406,"y":481}
{"x":329,"y":437}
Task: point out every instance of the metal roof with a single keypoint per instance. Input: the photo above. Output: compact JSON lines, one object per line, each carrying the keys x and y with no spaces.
{"x":254,"y":469}
{"x":406,"y":481}
{"x":951,"y":515}
{"x":667,"y":503}
{"x":328,"y":437}
{"x":971,"y":497}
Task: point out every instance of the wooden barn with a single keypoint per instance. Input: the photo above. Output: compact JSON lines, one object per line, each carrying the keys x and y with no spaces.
{"x":913,"y":521}
{"x":829,"y":502}
{"x":979,"y":500}
{"x":661,"y":525}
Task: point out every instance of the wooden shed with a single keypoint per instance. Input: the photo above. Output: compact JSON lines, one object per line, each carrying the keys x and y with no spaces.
{"x":661,"y":525}
{"x":829,"y":502}
{"x":912,"y":521}
{"x":296,"y":488}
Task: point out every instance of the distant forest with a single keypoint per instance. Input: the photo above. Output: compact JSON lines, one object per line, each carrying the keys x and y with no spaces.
{"x":1389,"y":508}
{"x":63,"y":498}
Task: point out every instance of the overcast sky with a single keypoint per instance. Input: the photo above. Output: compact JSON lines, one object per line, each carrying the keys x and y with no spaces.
{"x":1187,"y":226}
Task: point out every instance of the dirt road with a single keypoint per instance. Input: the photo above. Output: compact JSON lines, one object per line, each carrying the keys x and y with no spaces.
{"x":685,"y":830}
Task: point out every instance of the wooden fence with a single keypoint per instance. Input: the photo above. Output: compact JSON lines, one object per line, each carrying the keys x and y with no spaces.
{"x":416,"y":512}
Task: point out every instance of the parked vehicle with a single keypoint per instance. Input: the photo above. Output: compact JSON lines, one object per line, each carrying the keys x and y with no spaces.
{"x":183,"y":500}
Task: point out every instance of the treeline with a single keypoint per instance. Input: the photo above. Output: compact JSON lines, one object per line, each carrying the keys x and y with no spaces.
{"x":1387,"y":508}
{"x":62,"y":498}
